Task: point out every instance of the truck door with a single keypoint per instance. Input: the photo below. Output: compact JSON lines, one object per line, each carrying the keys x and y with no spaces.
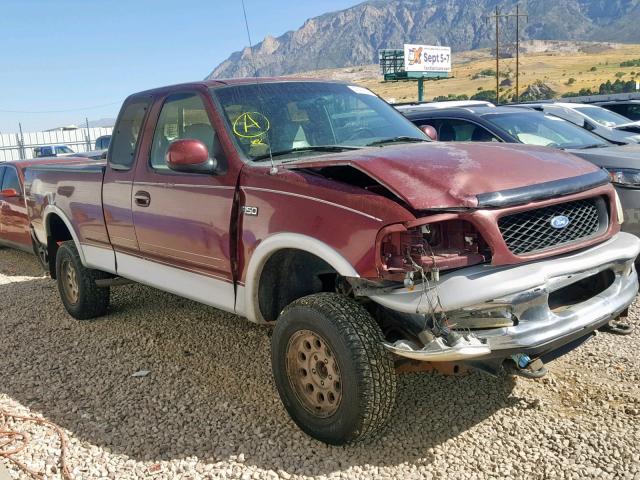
{"x":118,"y":177}
{"x":14,"y":224}
{"x":182,"y":220}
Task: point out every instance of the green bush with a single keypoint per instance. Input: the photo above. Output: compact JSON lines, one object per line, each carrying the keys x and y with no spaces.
{"x":487,"y":72}
{"x":631,"y":63}
{"x":593,"y":69}
{"x":486,"y":95}
{"x":571,"y":81}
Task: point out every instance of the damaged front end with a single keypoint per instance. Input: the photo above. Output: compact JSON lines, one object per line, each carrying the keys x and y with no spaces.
{"x":449,"y":298}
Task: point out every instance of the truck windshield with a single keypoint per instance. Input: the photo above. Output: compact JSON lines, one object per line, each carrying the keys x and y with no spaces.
{"x":297,"y":118}
{"x":535,"y":128}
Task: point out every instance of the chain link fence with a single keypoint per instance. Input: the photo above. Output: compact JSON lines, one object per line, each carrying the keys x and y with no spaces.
{"x":21,"y":145}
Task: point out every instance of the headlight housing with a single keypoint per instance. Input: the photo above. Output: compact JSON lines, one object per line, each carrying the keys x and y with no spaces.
{"x":441,"y":245}
{"x":624,"y":177}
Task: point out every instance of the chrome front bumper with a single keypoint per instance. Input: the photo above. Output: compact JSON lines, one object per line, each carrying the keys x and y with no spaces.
{"x":523,"y":291}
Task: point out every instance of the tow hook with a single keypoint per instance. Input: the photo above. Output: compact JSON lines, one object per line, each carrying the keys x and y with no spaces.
{"x":527,"y":368}
{"x":621,"y":326}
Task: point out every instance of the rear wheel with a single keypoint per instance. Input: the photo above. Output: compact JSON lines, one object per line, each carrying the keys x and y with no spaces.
{"x":80,"y":295}
{"x":332,"y":372}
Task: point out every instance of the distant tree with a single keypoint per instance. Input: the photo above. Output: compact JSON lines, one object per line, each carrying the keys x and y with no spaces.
{"x":486,"y":95}
{"x":593,"y":69}
{"x":487,"y":72}
{"x":631,"y":63}
{"x":620,"y":74}
{"x":571,"y":81}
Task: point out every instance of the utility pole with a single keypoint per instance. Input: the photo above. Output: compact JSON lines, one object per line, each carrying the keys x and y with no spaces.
{"x":518,"y":15}
{"x":497,"y":16}
{"x":497,"y":55}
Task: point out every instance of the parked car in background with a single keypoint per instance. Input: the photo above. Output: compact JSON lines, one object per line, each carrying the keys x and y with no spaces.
{"x":604,"y":123}
{"x":444,"y":104}
{"x":530,"y":127}
{"x":52,"y":151}
{"x":317,"y":207}
{"x":102,"y":143}
{"x":627,"y":108}
{"x":93,"y":154}
{"x":14,"y":222}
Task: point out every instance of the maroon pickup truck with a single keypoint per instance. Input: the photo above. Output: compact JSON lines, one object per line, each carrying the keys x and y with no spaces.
{"x":316,"y":207}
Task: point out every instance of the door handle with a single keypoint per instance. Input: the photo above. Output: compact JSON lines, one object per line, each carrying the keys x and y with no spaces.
{"x":142,"y":198}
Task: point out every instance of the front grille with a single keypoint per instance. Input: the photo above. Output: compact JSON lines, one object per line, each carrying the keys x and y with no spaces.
{"x":531,"y":231}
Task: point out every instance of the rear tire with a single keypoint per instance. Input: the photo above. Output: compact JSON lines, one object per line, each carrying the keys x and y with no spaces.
{"x":80,"y":295}
{"x":334,"y":376}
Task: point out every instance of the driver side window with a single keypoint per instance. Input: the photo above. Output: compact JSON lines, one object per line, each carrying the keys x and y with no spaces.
{"x":182,"y":116}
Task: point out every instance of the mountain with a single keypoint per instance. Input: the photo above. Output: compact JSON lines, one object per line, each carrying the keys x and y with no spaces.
{"x":353,"y":36}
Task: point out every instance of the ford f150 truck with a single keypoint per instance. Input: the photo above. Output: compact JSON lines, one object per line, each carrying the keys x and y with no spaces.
{"x":318,"y":208}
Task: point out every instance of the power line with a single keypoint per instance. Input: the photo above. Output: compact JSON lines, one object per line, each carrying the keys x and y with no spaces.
{"x":497,"y":16}
{"x":63,"y":111}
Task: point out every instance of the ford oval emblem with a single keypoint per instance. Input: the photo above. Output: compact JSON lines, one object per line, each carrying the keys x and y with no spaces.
{"x":559,"y":222}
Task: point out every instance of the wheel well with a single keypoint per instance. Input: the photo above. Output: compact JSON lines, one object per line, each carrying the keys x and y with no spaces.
{"x":57,"y":232}
{"x":290,"y":274}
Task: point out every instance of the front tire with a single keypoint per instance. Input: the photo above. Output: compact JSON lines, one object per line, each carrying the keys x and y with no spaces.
{"x":335,"y":379}
{"x":80,"y":295}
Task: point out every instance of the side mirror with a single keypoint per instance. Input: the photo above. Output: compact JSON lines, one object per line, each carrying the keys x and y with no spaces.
{"x":189,"y":155}
{"x":9,"y":193}
{"x":430,"y":132}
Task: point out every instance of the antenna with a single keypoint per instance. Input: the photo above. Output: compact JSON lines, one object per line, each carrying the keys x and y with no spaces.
{"x":274,"y":169}
{"x":246,"y":24}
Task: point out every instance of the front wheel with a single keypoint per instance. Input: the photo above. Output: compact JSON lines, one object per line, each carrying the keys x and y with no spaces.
{"x":80,"y":295}
{"x":332,"y":372}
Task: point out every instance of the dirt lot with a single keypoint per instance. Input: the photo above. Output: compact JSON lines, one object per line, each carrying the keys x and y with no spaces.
{"x":209,"y":409}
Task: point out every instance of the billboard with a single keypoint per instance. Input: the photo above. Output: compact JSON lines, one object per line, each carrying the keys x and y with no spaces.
{"x":427,"y":58}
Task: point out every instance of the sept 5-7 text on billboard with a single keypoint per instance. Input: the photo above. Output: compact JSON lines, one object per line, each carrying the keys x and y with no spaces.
{"x":427,"y":58}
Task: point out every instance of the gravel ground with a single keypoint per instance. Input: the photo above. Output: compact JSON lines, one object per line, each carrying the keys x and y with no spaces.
{"x":209,"y":409}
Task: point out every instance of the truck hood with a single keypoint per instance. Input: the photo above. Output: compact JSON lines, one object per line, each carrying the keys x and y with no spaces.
{"x":443,"y":175}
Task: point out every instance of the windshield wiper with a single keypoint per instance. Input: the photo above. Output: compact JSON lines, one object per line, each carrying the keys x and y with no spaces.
{"x":402,"y":139}
{"x":311,"y":148}
{"x":595,"y":145}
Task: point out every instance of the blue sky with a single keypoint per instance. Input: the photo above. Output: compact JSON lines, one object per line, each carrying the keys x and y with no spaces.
{"x":71,"y":54}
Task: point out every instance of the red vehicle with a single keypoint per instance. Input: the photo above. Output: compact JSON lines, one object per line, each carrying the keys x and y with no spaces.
{"x":318,"y":208}
{"x":14,"y":222}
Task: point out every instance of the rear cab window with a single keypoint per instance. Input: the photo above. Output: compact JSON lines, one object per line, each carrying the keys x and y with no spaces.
{"x":11,"y":180}
{"x":126,"y":137}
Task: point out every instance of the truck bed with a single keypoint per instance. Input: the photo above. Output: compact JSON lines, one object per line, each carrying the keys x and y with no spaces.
{"x":74,"y":193}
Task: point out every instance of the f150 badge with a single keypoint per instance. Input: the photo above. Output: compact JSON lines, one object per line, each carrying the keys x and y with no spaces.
{"x":559,"y":222}
{"x":251,"y":211}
